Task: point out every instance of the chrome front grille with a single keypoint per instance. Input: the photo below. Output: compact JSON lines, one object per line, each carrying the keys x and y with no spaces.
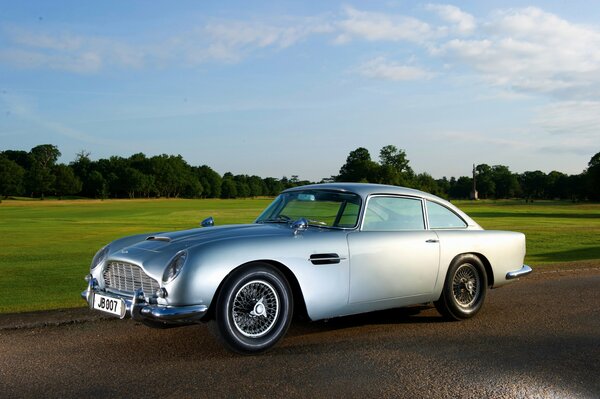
{"x":127,"y":278}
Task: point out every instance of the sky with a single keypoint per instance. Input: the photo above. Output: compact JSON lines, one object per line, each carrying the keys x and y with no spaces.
{"x":282,"y":88}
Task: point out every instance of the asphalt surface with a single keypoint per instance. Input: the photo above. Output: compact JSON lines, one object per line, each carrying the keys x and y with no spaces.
{"x":539,"y":337}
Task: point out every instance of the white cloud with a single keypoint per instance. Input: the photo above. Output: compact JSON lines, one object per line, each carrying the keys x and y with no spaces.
{"x":381,"y":68}
{"x":464,"y":23}
{"x":217,"y":40}
{"x":572,"y":118}
{"x":532,"y":51}
{"x":375,"y":26}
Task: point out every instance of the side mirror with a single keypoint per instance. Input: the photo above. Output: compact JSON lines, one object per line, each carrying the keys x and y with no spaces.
{"x":300,"y":225}
{"x":208,"y":222}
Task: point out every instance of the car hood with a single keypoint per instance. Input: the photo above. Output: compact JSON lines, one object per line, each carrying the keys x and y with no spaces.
{"x":154,"y":252}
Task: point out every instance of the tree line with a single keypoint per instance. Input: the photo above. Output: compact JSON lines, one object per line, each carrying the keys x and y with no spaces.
{"x":492,"y":182}
{"x":36,"y":173}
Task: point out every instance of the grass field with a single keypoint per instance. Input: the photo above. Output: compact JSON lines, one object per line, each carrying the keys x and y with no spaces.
{"x":47,"y":245}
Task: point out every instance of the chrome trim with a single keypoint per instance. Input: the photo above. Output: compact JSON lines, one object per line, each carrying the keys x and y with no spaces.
{"x":126,"y":278}
{"x":525,"y":270}
{"x":300,"y":225}
{"x":158,"y":238}
{"x":325,"y":259}
{"x":138,"y":308}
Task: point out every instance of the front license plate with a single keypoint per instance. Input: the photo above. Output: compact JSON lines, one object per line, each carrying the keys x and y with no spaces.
{"x":109,"y":305}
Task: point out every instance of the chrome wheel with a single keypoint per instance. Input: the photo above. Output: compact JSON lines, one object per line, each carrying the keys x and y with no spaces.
{"x":464,"y":289}
{"x":255,"y":309}
{"x":466,"y":285}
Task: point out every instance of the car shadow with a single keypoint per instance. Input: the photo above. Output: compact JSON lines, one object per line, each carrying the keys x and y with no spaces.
{"x":410,"y":315}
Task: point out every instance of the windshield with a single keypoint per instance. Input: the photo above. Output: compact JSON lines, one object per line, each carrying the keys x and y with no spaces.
{"x":320,"y":207}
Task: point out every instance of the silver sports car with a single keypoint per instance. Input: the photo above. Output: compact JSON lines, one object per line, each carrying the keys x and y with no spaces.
{"x":323,"y":250}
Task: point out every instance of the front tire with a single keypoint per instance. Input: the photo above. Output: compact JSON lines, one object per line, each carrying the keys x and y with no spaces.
{"x":254,"y":309}
{"x":464,"y":289}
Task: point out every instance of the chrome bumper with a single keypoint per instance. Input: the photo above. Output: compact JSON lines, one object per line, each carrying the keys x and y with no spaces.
{"x":138,"y":307}
{"x":525,"y":270}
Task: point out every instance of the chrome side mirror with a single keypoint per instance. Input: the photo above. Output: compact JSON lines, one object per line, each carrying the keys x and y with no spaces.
{"x":208,"y":222}
{"x":300,"y":225}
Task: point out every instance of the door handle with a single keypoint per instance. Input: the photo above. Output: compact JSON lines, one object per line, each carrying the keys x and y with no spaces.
{"x":432,"y":240}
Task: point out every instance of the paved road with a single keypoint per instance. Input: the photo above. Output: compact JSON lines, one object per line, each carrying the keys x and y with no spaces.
{"x":539,"y":337}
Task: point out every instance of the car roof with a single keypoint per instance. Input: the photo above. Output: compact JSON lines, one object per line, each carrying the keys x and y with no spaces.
{"x":365,"y":189}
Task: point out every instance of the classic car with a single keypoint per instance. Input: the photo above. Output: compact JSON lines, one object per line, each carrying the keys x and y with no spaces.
{"x":321,"y":250}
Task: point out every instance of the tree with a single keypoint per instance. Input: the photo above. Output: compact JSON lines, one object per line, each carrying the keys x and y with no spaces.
{"x":40,"y":179}
{"x":533,"y":184}
{"x":210,"y":180}
{"x":11,"y":178}
{"x":66,"y":182}
{"x":505,"y":182}
{"x":389,"y":155}
{"x":228,"y":188}
{"x":97,"y":181}
{"x":83,"y":166}
{"x":592,"y":177}
{"x":557,"y":185}
{"x":485,"y":181}
{"x":358,"y":167}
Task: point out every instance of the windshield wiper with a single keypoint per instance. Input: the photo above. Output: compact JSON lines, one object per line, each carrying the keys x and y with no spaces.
{"x":278,"y":219}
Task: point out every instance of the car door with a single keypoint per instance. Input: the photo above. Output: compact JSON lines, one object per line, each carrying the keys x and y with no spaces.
{"x":392,"y":255}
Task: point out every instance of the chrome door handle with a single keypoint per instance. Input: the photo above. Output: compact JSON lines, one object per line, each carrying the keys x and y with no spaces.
{"x":432,"y":240}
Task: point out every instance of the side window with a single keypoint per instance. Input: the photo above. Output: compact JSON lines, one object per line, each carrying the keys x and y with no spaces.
{"x":393,"y":213}
{"x":350,"y":215}
{"x":441,"y":217}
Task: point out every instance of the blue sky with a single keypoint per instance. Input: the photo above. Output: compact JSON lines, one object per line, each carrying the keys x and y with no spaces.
{"x":290,"y":88}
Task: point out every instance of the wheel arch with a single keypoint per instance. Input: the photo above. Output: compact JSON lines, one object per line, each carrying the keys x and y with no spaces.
{"x":486,"y":265}
{"x":297,"y":295}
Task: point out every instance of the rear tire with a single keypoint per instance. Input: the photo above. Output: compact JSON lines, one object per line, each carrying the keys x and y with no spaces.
{"x":254,"y":309}
{"x":464,"y":289}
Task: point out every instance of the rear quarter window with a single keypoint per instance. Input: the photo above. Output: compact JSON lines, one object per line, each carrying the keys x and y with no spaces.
{"x":441,"y":217}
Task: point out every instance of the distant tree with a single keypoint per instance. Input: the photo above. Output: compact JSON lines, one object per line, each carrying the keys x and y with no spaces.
{"x":390,"y":155}
{"x":257,"y":186}
{"x":66,"y":182}
{"x":40,"y":178}
{"x":21,"y":158}
{"x":460,"y":188}
{"x":273,"y":186}
{"x":485,"y":181}
{"x":425,"y":182}
{"x":557,"y":185}
{"x":358,"y":167}
{"x":97,"y":181}
{"x":592,"y":177}
{"x":506,"y":183}
{"x":228,"y":188}
{"x":82,"y":167}
{"x":11,"y":178}
{"x":533,"y":184}
{"x":210,"y":180}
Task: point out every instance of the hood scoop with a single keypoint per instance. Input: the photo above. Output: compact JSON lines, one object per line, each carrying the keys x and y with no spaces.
{"x":158,"y":238}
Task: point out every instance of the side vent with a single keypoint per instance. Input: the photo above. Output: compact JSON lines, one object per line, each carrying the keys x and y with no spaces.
{"x":325,"y":259}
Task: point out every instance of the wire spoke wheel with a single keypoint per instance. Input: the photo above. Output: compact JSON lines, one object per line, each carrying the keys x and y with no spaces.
{"x":255,"y":308}
{"x":466,"y":285}
{"x":464,"y":289}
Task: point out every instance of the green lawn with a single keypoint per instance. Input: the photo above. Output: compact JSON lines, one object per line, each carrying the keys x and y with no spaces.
{"x":47,"y":245}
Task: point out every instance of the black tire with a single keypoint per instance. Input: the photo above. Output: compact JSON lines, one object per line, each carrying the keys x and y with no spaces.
{"x":254,"y":309}
{"x":464,"y":289}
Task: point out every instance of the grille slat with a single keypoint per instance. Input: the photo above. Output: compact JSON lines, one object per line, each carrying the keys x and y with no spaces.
{"x":127,"y":278}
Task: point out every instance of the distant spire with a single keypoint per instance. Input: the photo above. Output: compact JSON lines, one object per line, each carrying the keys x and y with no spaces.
{"x":474,"y":194}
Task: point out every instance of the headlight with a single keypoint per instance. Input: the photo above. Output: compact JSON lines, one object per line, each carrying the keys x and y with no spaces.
{"x":99,"y":257}
{"x":175,"y":265}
